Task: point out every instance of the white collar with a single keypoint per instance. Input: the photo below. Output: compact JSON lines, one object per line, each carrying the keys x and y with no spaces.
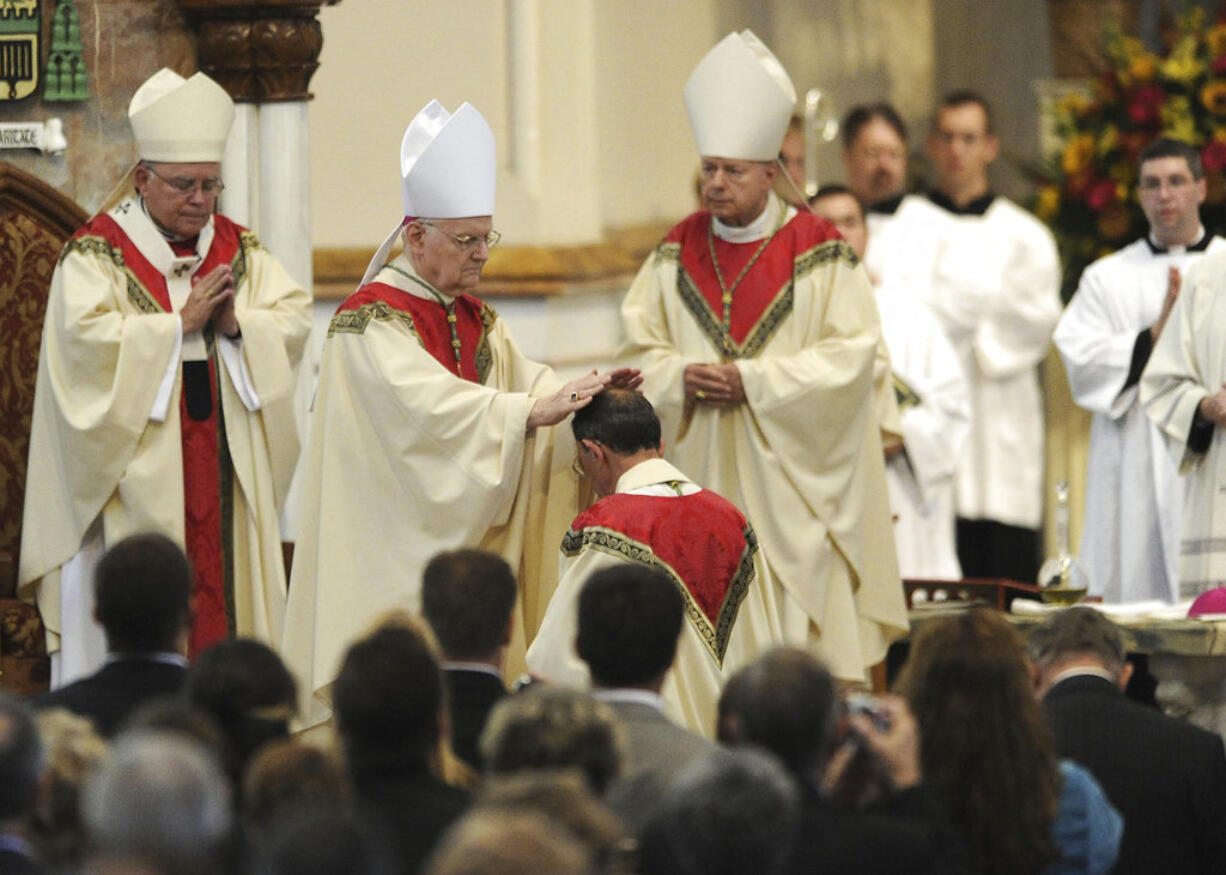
{"x":400,"y":273}
{"x":166,"y":657}
{"x":1177,"y":249}
{"x":648,"y":472}
{"x":768,"y":220}
{"x":1080,"y":670}
{"x":631,"y":696}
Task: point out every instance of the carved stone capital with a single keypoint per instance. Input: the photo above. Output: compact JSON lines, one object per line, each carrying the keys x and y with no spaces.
{"x":258,"y":50}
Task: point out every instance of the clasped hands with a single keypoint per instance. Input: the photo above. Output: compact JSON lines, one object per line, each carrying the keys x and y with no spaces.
{"x":211,"y":298}
{"x":578,"y":393}
{"x":718,"y":385}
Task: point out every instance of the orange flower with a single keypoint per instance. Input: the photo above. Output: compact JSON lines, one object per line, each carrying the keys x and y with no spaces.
{"x":1048,"y":203}
{"x":1215,"y":39}
{"x":1114,"y":222}
{"x":1142,"y":67}
{"x":1213,"y":96}
{"x":1077,"y":154}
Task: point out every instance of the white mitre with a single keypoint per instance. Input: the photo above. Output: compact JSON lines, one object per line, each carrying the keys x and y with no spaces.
{"x":447,"y":170}
{"x":180,"y":120}
{"x":739,"y":99}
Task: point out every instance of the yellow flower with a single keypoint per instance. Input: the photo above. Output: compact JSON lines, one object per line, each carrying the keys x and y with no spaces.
{"x":1219,"y":133}
{"x":1121,"y":172}
{"x":1074,"y":104}
{"x":1077,"y":154}
{"x":1048,"y":203}
{"x":1213,"y":96}
{"x":1142,"y":67}
{"x":1181,"y":129}
{"x":1183,"y":65}
{"x":1108,"y":140}
{"x":1215,"y":39}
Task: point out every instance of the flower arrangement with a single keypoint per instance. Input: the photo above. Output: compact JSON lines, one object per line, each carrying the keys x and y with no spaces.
{"x":1087,"y":190}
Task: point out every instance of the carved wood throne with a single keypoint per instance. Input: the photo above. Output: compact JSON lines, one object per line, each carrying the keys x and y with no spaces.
{"x":35,"y":220}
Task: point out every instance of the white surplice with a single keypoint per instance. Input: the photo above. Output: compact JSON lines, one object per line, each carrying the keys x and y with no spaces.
{"x":993,"y":280}
{"x":935,"y":415}
{"x":1187,"y":364}
{"x":1134,"y":496}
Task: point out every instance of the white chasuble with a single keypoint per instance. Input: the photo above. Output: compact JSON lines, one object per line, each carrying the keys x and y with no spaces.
{"x":405,"y":458}
{"x":802,"y":457}
{"x":1134,"y":495}
{"x":1187,"y":364}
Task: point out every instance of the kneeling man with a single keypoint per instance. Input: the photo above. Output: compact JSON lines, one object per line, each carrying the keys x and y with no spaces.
{"x":649,"y":513}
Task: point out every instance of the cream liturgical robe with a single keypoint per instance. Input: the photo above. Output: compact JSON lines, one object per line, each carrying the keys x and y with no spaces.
{"x":935,"y":415}
{"x":993,"y":280}
{"x":1134,"y":496}
{"x":1187,"y":364}
{"x":105,"y":446}
{"x":755,"y":609}
{"x":406,"y":458}
{"x":802,"y":458}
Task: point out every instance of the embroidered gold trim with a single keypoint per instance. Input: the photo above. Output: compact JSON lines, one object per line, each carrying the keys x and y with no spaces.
{"x":904,"y":394}
{"x":356,"y":321}
{"x":823,"y":253}
{"x":483,"y":359}
{"x":714,"y":638}
{"x":247,"y":243}
{"x":98,"y":247}
{"x":669,"y":251}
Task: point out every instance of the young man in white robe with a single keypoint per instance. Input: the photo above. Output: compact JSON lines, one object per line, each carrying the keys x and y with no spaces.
{"x":650,"y":513}
{"x":935,"y":410}
{"x":875,"y":159}
{"x":429,"y":427}
{"x":164,"y":399}
{"x":990,"y":272}
{"x":1134,"y":495}
{"x":757,"y":335}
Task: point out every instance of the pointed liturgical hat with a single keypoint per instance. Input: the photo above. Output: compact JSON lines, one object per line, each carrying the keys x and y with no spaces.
{"x":739,"y":99}
{"x":447,"y":170}
{"x":180,"y":120}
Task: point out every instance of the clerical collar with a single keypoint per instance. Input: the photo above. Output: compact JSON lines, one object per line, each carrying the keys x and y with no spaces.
{"x":889,"y":206}
{"x":977,"y":207}
{"x":630,"y":695}
{"x":755,"y":230}
{"x":1201,"y":244}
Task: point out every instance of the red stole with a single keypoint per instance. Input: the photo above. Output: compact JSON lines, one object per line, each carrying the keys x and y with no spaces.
{"x":770,"y":276}
{"x":207,"y":473}
{"x":701,"y":541}
{"x":430,"y":325}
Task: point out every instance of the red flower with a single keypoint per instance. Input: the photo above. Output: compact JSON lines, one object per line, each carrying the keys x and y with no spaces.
{"x":1214,"y":155}
{"x":1101,"y":195}
{"x":1145,"y":105}
{"x":1219,"y":65}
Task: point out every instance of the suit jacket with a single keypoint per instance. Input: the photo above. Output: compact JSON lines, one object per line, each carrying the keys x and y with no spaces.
{"x":109,"y":695}
{"x":1166,"y":777}
{"x":471,"y":696}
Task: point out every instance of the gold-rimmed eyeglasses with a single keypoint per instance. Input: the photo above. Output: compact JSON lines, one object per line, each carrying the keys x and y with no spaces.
{"x":185,"y":185}
{"x":468,"y":242}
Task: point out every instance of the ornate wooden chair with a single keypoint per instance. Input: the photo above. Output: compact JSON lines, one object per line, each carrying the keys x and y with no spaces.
{"x":35,"y":220}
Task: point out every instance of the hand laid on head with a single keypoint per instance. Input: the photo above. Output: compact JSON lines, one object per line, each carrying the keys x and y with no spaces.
{"x":625,"y":378}
{"x":717,"y":385}
{"x":571,"y":397}
{"x":209,"y":293}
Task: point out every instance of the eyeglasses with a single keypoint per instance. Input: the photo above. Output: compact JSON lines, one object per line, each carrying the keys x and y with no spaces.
{"x":468,"y":242}
{"x":1153,"y":184}
{"x":184,"y":185}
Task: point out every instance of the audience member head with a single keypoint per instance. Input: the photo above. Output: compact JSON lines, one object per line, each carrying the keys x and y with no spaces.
{"x":723,"y":815}
{"x":615,"y":431}
{"x":21,"y":763}
{"x":987,"y":752}
{"x":554,"y":728}
{"x":497,"y":842}
{"x":565,"y":800}
{"x":837,"y":204}
{"x":783,"y":702}
{"x":388,"y":700}
{"x":142,"y":592}
{"x":1171,"y":187}
{"x":629,"y":618}
{"x":875,"y":152}
{"x":73,"y":751}
{"x":173,"y":714}
{"x":792,"y":157}
{"x":1079,"y":637}
{"x":162,"y":797}
{"x":289,"y":775}
{"x":243,"y":685}
{"x":962,"y":144}
{"x":322,"y":840}
{"x":468,"y":597}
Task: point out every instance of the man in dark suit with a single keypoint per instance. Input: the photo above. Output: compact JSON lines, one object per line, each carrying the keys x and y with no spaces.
{"x":1165,"y":776}
{"x":142,"y":590}
{"x":467,"y":598}
{"x":21,"y":764}
{"x":629,"y":619}
{"x":388,"y":704}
